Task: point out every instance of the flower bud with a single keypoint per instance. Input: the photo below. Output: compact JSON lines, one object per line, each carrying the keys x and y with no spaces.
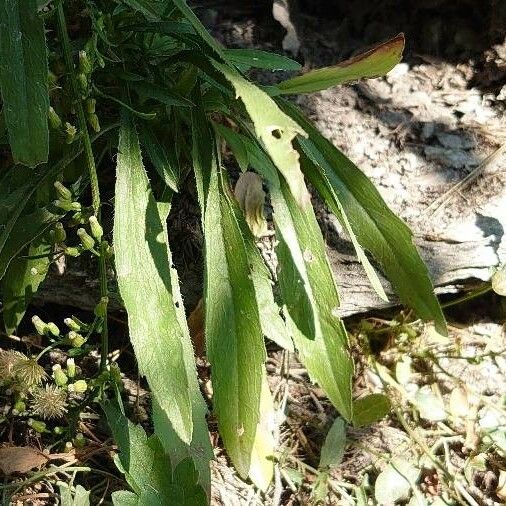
{"x":94,"y":122}
{"x":54,"y":119}
{"x":39,"y":325}
{"x":67,"y":205}
{"x":82,"y":80}
{"x":63,"y":192}
{"x":68,"y":447}
{"x":52,"y":328}
{"x":59,"y":233}
{"x":70,"y":131}
{"x":72,"y":252}
{"x":79,"y":440}
{"x":101,"y":307}
{"x":19,"y":407}
{"x":34,"y":271}
{"x":84,"y":62}
{"x":77,"y":340}
{"x":58,"y":430}
{"x":96,"y":228}
{"x":37,"y":425}
{"x":60,"y":378}
{"x":90,"y":105}
{"x":86,"y":240}
{"x":72,"y":324}
{"x":71,"y":368}
{"x":79,"y":387}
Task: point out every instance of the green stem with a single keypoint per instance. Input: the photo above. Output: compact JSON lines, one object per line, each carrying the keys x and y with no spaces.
{"x":67,"y":52}
{"x":104,"y":292}
{"x":92,"y":169}
{"x":468,"y":296}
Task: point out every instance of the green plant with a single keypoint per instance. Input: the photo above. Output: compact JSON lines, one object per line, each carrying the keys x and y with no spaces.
{"x":150,"y":70}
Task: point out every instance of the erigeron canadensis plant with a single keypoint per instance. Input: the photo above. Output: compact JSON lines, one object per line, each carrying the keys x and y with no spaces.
{"x":144,"y":84}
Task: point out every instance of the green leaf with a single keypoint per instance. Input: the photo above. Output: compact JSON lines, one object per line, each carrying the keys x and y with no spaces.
{"x":233,"y":330}
{"x":430,"y":405}
{"x":199,"y":27}
{"x":163,"y":158}
{"x":151,"y":9}
{"x":234,"y":141}
{"x":21,"y":281}
{"x":81,"y":495}
{"x":17,"y":189}
{"x":27,"y":228}
{"x":335,"y":443}
{"x":310,"y":294}
{"x":377,"y":229}
{"x":162,"y":94}
{"x":124,"y":498}
{"x":200,"y":449}
{"x":23,"y":80}
{"x":370,"y":409}
{"x":140,"y":458}
{"x":395,"y":482}
{"x":273,"y":128}
{"x":255,"y":58}
{"x":144,"y":281}
{"x":373,"y":63}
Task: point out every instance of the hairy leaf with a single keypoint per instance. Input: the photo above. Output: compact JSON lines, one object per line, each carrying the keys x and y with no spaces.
{"x":140,"y":458}
{"x":309,"y":292}
{"x":273,"y":128}
{"x":162,"y":157}
{"x":335,"y":443}
{"x":21,"y":281}
{"x":23,"y":80}
{"x":376,"y":228}
{"x":145,"y":285}
{"x":159,"y":93}
{"x":255,"y":58}
{"x":28,"y":228}
{"x":370,"y":409}
{"x":199,"y":449}
{"x":232,"y":325}
{"x":373,"y":63}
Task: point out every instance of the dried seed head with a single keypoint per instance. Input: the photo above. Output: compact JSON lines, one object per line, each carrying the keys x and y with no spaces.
{"x":28,"y":372}
{"x":8,"y":360}
{"x":49,"y":402}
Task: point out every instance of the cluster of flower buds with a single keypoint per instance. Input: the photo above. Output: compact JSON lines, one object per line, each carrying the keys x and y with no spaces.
{"x":45,"y":329}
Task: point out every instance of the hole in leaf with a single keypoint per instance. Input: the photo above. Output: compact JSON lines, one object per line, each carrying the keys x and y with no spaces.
{"x":276,"y":133}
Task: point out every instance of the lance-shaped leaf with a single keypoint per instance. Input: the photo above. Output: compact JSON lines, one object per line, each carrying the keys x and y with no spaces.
{"x":310,"y":294}
{"x":22,"y":280}
{"x":373,"y":63}
{"x":162,"y":157}
{"x":245,"y":59}
{"x":233,"y":330}
{"x":199,"y":449}
{"x":144,"y":282}
{"x":23,"y":80}
{"x":377,"y":229}
{"x":273,"y":128}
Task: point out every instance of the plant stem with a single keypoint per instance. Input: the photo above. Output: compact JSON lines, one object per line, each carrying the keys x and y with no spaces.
{"x":67,"y":53}
{"x":92,"y":170}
